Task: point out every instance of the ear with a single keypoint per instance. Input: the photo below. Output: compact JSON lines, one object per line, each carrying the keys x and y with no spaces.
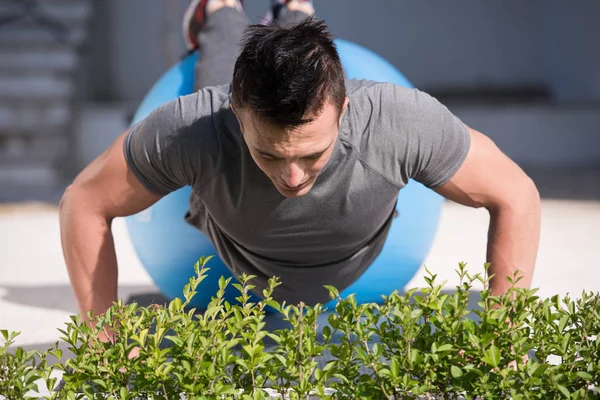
{"x":343,"y":109}
{"x":237,"y":116}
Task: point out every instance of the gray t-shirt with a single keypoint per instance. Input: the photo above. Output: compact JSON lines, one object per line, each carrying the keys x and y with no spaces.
{"x":388,"y":135}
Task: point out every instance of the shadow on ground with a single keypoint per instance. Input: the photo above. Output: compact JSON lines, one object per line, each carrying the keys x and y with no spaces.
{"x":274,"y":321}
{"x":61,"y":298}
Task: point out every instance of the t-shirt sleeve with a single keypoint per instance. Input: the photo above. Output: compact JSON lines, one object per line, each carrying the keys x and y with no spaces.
{"x":429,"y":142}
{"x":157,"y":150}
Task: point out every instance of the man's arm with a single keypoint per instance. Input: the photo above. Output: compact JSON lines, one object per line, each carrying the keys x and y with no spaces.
{"x":488,"y":178}
{"x":105,"y":189}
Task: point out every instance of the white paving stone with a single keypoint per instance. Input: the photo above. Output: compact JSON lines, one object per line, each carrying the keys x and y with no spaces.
{"x":35,"y":296}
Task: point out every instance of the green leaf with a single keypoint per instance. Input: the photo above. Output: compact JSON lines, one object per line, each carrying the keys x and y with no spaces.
{"x":469,"y":325}
{"x":87,"y":390}
{"x":318,"y":374}
{"x":238,"y":287}
{"x":342,"y":378}
{"x":565,"y":392}
{"x":433,"y":304}
{"x":377,"y":349}
{"x":187,"y":366}
{"x":540,"y":370}
{"x":101,"y":384}
{"x":222,"y":282}
{"x":563,"y":323}
{"x":361,"y":353}
{"x":273,"y":303}
{"x":190,"y":342}
{"x":584,"y":375}
{"x":456,"y":372}
{"x":143,"y":335}
{"x":175,"y":340}
{"x":491,"y":356}
{"x":123,"y":392}
{"x":281,"y":359}
{"x":565,"y":342}
{"x":414,"y":356}
{"x":232,"y":343}
{"x":445,"y":347}
{"x":333,"y":292}
{"x":328,"y":366}
{"x":57,"y":353}
{"x":326,"y":331}
{"x":394,"y":368}
{"x":248,"y":349}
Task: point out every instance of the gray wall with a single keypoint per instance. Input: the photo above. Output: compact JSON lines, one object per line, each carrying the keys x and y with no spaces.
{"x":572,"y":49}
{"x":459,"y":44}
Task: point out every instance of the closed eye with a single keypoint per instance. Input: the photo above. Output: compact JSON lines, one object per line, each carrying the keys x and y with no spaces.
{"x":313,"y":156}
{"x":269,"y":158}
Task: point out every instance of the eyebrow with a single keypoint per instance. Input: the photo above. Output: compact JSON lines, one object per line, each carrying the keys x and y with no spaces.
{"x":315,"y":154}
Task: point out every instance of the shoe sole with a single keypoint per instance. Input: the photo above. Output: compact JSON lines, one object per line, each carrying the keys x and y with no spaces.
{"x":187,"y":20}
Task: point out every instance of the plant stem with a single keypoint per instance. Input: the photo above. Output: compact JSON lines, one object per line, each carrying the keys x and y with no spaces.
{"x":213,"y":345}
{"x":301,"y":306}
{"x":374,"y":366}
{"x":165,"y":391}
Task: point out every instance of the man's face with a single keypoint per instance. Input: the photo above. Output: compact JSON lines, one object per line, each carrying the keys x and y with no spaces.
{"x":292,"y":158}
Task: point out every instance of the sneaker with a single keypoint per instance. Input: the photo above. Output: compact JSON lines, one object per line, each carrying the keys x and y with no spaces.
{"x":193,"y":22}
{"x":276,"y":9}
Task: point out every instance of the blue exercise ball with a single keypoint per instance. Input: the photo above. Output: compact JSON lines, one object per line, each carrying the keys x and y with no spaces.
{"x":168,"y":247}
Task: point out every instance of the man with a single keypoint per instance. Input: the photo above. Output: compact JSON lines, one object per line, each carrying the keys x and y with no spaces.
{"x":295,"y":170}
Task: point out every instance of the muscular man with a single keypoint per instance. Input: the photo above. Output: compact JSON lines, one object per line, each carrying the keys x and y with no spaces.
{"x":295,"y":170}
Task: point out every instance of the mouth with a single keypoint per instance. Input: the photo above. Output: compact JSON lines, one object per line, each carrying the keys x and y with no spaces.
{"x":296,"y":188}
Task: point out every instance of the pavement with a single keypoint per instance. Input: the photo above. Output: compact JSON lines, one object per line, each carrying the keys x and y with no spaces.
{"x":36,"y":298}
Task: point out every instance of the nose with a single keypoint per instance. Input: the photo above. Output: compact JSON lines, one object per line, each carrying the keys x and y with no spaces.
{"x":292,"y":174}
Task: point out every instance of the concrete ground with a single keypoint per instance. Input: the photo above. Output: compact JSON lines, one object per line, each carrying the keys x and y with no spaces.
{"x":36,"y":299}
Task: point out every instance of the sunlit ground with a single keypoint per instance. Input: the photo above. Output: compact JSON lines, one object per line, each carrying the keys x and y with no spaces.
{"x":35,"y":296}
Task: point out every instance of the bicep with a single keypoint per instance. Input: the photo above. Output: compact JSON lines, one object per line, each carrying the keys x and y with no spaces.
{"x":487,"y":178}
{"x":109,"y":187}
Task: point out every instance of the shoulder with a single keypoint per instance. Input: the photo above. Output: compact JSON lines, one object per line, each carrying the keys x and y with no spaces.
{"x":361,"y":91}
{"x":378,"y":110}
{"x":366,"y":95}
{"x":390,"y":108}
{"x":383,"y":107}
{"x":191,"y":132}
{"x":189,"y":118}
{"x":395,"y":129}
{"x":188,"y":109}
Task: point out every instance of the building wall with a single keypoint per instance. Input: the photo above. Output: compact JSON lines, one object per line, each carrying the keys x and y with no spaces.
{"x":571,"y":52}
{"x":459,"y":45}
{"x":437,"y":45}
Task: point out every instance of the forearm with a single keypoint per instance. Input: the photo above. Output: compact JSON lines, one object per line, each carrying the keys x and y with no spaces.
{"x":513,"y":241}
{"x":89,"y":253}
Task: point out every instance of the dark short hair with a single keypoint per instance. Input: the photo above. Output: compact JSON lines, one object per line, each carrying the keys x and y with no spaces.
{"x":285,"y":75}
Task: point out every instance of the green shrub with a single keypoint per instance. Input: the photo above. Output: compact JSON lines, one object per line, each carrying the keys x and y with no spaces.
{"x":420,"y":344}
